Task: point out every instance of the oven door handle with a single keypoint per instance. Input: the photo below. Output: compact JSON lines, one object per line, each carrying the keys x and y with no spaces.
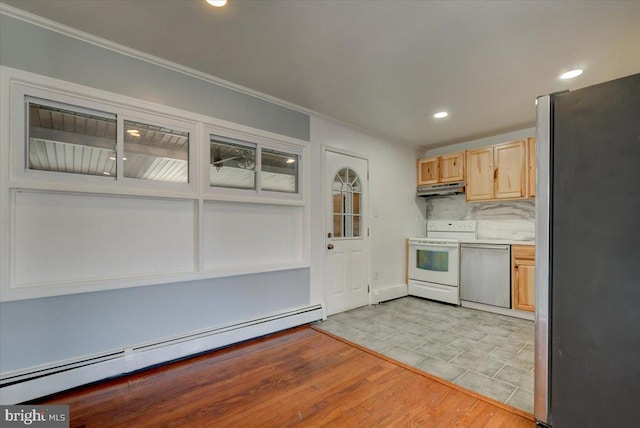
{"x":433,"y":244}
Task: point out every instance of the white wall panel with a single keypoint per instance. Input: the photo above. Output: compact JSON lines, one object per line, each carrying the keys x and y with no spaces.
{"x":237,"y":235}
{"x":60,"y":237}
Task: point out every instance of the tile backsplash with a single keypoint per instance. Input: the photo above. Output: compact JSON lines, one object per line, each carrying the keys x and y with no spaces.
{"x":496,"y":220}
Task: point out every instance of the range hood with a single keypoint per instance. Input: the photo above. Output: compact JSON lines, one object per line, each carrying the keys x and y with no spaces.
{"x":441,"y":189}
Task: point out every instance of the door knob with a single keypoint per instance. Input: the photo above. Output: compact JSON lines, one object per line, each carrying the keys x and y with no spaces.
{"x":330,"y":246}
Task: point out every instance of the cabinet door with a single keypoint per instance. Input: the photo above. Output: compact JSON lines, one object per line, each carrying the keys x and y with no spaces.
{"x":523,"y":277}
{"x":510,"y":170}
{"x":452,"y":167}
{"x":531,"y":166}
{"x":479,"y":173}
{"x":428,"y":171}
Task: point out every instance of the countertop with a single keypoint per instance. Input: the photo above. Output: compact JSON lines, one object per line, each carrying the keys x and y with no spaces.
{"x":497,"y":242}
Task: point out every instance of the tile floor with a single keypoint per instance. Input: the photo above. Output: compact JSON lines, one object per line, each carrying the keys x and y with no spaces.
{"x":488,"y":353}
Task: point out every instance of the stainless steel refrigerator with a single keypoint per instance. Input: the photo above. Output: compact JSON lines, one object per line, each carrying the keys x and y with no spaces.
{"x":587,"y":357}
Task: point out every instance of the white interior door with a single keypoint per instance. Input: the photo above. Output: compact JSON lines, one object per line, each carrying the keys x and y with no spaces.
{"x":347,"y":237}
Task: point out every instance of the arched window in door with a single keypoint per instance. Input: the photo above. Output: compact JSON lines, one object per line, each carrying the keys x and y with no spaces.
{"x":346,"y":192}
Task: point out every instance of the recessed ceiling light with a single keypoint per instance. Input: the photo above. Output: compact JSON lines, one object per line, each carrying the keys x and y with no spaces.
{"x":133,"y":132}
{"x":217,"y":3}
{"x":112,"y":158}
{"x":106,"y":173}
{"x":571,"y":74}
{"x":441,"y":115}
{"x":290,"y":160}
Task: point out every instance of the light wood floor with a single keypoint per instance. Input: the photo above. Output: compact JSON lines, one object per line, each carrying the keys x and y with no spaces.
{"x":300,"y":377}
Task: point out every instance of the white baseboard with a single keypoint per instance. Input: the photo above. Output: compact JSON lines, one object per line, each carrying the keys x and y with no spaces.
{"x":389,"y":293}
{"x":29,"y":384}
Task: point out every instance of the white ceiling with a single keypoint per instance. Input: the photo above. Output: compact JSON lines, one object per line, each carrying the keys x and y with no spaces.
{"x":385,"y":66}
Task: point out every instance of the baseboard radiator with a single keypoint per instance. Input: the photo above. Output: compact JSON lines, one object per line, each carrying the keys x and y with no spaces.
{"x":24,"y":385}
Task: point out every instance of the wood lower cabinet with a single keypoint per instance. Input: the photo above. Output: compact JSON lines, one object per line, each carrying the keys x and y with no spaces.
{"x":523,"y":267}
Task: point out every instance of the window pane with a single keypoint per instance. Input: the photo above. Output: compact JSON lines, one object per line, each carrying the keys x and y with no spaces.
{"x":155,"y":153}
{"x":346,"y":204}
{"x":351,"y":176}
{"x":337,"y":202}
{"x":70,"y":141}
{"x":343,"y":175}
{"x":232,"y":165}
{"x":337,"y":226}
{"x":356,"y":225}
{"x":356,"y":203}
{"x":279,"y":171}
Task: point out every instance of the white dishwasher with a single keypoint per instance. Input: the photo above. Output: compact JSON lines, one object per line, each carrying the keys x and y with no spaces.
{"x":485,"y":274}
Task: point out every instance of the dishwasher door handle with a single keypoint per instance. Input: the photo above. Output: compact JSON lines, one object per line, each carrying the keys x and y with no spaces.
{"x":486,"y":246}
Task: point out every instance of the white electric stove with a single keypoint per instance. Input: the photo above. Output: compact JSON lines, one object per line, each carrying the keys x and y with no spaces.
{"x":434,"y":261}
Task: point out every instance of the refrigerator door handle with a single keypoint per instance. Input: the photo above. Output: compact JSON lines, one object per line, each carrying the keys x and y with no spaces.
{"x":541,"y":408}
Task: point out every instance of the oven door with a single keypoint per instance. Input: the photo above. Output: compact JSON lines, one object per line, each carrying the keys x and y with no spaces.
{"x":436,"y":262}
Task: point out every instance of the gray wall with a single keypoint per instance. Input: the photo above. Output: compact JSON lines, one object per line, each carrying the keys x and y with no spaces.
{"x":44,"y":330}
{"x":50,"y":329}
{"x":31,"y":48}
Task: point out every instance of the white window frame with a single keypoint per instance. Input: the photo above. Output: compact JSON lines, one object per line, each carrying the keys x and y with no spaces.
{"x":71,"y":108}
{"x":21,"y":173}
{"x":206,"y":171}
{"x":15,"y":176}
{"x":257,"y":194}
{"x":288,"y":151}
{"x":174,"y":124}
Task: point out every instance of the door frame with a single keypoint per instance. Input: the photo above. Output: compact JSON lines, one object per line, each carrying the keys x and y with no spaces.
{"x":325,"y":190}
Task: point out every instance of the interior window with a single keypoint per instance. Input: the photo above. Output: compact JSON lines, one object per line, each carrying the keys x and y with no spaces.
{"x":279,"y":171}
{"x":232,"y":164}
{"x":155,"y":153}
{"x":72,"y":140}
{"x":346,"y":204}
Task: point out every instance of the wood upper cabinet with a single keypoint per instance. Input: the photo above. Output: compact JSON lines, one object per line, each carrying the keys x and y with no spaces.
{"x":452,"y":167}
{"x":523,"y":268}
{"x":510,"y":173}
{"x":479,"y":166}
{"x":441,"y":169}
{"x":497,"y":172}
{"x":531,"y":167}
{"x":428,"y":171}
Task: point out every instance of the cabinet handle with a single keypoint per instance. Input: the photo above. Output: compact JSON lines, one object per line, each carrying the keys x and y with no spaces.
{"x":495,"y":173}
